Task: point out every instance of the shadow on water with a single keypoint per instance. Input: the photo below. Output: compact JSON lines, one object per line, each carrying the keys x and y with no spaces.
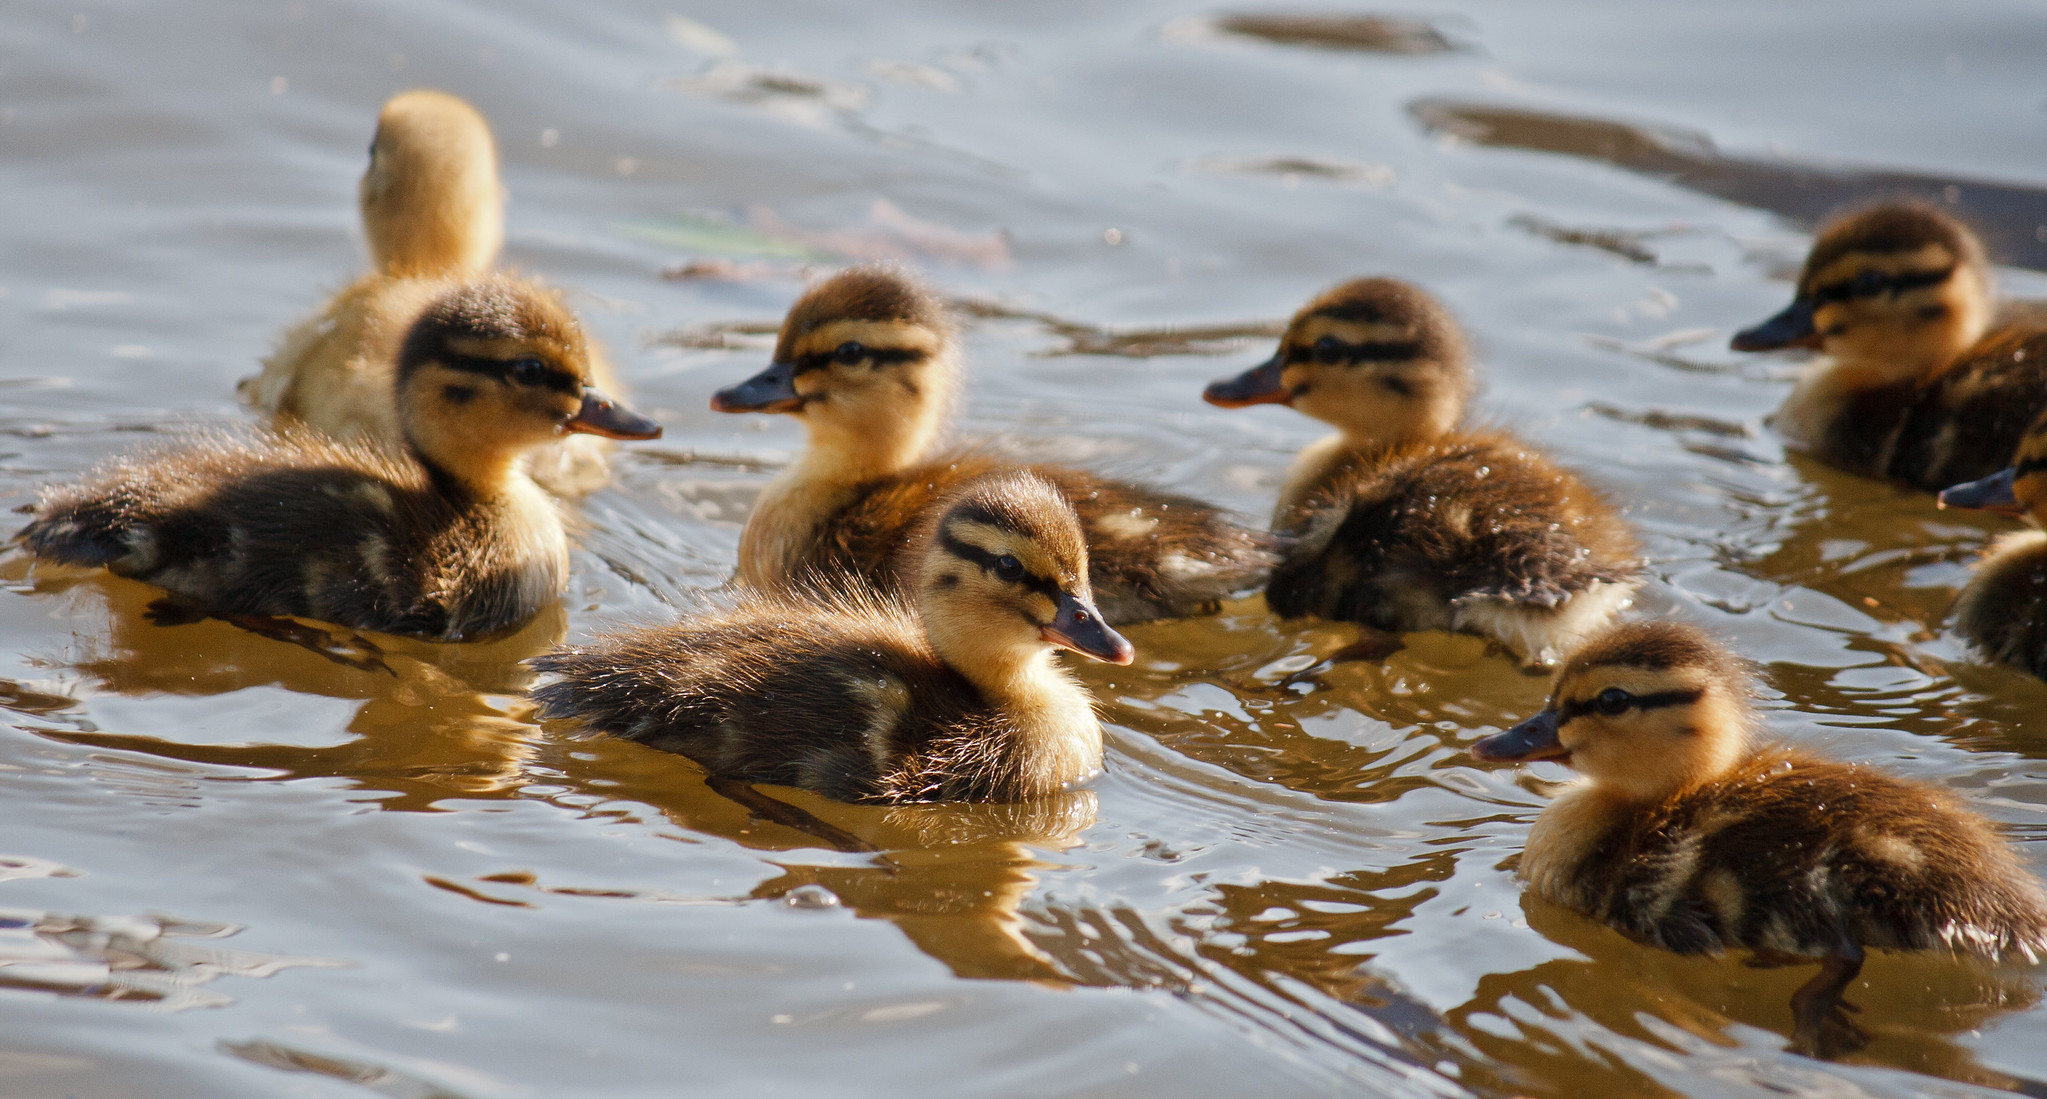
{"x":2012,"y":217}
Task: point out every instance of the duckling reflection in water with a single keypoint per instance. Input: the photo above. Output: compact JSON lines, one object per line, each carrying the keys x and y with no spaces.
{"x":851,"y":695}
{"x":1923,"y":379}
{"x":433,"y":213}
{"x":1403,"y":519}
{"x":868,"y":361}
{"x":2003,"y":611}
{"x":1690,"y":834}
{"x":446,"y":539}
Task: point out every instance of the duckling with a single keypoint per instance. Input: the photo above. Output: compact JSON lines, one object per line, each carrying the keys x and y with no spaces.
{"x":433,"y":213}
{"x":2003,"y":610}
{"x":867,"y":360}
{"x":853,"y":695}
{"x":1690,"y":833}
{"x":1406,"y":520}
{"x":1922,"y":380}
{"x":445,"y":539}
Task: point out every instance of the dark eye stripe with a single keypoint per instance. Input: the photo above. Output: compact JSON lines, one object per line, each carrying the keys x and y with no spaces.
{"x":1657,"y":701}
{"x":966,"y":552}
{"x":1888,"y":284}
{"x":882,"y":356}
{"x":559,"y":380}
{"x":1371,"y":351}
{"x":2028,"y":466}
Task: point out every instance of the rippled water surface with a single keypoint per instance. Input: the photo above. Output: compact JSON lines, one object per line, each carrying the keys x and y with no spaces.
{"x":230,"y":865}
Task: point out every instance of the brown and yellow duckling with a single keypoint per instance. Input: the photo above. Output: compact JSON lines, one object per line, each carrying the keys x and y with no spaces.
{"x":433,"y":212}
{"x":1407,"y":520}
{"x":858,"y":698}
{"x":2003,"y":611}
{"x":868,"y":362}
{"x":1690,"y":833}
{"x":1922,"y":379}
{"x":446,"y":538}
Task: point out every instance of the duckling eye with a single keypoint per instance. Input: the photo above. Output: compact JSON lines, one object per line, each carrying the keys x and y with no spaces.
{"x":1329,"y":351}
{"x":527,"y":371}
{"x":849,"y":353}
{"x":1009,"y":568}
{"x":1613,"y":701}
{"x":1867,"y":284}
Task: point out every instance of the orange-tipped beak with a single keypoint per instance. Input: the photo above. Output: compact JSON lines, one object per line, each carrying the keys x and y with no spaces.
{"x":1531,"y":740}
{"x":771,"y":390}
{"x":1791,"y":328}
{"x":1258,"y":385}
{"x":1079,"y":626}
{"x":600,"y":415}
{"x":1996,"y":493}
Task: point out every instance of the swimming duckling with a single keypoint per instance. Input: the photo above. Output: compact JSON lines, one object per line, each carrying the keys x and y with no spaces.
{"x":1921,"y":379}
{"x":433,"y":212}
{"x":446,"y":539}
{"x":2003,"y":611}
{"x":850,"y":695}
{"x":1689,"y":833}
{"x":868,"y":362}
{"x":1405,"y":520}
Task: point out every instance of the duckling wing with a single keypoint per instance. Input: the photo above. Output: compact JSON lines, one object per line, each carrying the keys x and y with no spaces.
{"x":1397,"y":543}
{"x":320,"y":531}
{"x":1967,"y":423}
{"x":768,"y":692}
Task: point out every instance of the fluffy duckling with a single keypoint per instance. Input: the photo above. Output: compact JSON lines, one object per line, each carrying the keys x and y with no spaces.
{"x":1920,"y":380}
{"x":868,"y":362}
{"x":2003,"y":611}
{"x":433,"y":213}
{"x":852,"y":696}
{"x":1404,"y":519}
{"x":445,"y":539}
{"x":1689,"y":833}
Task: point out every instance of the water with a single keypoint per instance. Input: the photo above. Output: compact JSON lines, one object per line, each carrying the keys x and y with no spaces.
{"x":232,"y":866}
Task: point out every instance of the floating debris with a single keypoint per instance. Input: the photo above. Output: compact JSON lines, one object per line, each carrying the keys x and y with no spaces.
{"x":2009,"y":215}
{"x":890,"y":234}
{"x":793,"y":97}
{"x":140,"y":958}
{"x":1293,"y":169}
{"x":1394,"y":34}
{"x":1624,"y":243}
{"x":1672,"y":421}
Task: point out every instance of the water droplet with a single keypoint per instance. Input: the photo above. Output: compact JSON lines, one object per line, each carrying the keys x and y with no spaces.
{"x":810,"y":897}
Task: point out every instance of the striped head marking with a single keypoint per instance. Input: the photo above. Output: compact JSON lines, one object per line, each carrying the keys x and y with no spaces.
{"x":1376,"y":357}
{"x":1643,"y":710}
{"x":496,"y":367}
{"x":863,"y":348}
{"x":1900,"y":287}
{"x":1005,"y":577}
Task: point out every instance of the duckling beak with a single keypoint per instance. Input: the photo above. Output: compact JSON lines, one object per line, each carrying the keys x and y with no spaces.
{"x":1533,"y":739}
{"x":771,"y":390}
{"x":1079,"y":626}
{"x":1258,"y":385}
{"x":600,"y":415}
{"x":1993,"y":493}
{"x":1791,"y":328}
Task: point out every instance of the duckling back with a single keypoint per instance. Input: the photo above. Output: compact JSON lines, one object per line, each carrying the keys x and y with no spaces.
{"x":1404,"y":521}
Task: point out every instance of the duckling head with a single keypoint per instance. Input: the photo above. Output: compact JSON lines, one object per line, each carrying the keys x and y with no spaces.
{"x":1376,"y":358}
{"x":431,"y":203}
{"x":1644,"y":711}
{"x":1004,"y":581}
{"x":866,"y":360}
{"x":2019,"y":490}
{"x":1896,"y":292}
{"x":493,"y":369}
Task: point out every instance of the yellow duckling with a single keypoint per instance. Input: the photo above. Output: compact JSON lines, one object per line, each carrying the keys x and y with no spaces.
{"x":445,"y":539}
{"x":433,"y":212}
{"x":868,"y":362}
{"x":1920,"y":379}
{"x":852,"y":696}
{"x":1689,"y":833}
{"x":2003,"y":611}
{"x":1406,"y":520}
